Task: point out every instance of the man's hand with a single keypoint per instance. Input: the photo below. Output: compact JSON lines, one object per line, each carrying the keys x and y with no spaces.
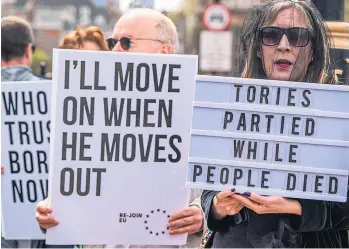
{"x":186,"y":220}
{"x":43,"y":215}
{"x":269,"y":204}
{"x":2,"y":169}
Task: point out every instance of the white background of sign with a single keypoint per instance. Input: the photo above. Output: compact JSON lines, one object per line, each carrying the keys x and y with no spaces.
{"x":216,"y":51}
{"x":19,"y":218}
{"x":135,"y":187}
{"x":325,"y":152}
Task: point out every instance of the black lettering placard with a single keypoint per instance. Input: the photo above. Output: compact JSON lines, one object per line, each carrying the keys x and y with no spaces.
{"x":122,"y":128}
{"x":25,"y":143}
{"x":273,"y":138}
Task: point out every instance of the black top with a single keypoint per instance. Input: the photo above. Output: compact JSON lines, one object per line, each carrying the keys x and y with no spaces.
{"x":322,"y":224}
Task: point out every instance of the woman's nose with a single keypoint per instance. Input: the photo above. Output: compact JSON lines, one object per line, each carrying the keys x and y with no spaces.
{"x":284,"y":43}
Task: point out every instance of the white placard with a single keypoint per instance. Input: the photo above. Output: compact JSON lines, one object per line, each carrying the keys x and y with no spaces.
{"x":216,"y":51}
{"x":129,"y":118}
{"x":270,"y":137}
{"x":25,"y":135}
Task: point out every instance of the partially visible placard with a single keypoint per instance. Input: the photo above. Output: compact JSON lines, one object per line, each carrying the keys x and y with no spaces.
{"x":25,"y":137}
{"x":274,"y":138}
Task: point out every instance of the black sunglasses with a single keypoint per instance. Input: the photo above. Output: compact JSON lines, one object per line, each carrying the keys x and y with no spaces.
{"x":33,"y":48}
{"x":297,"y":36}
{"x":125,"y":42}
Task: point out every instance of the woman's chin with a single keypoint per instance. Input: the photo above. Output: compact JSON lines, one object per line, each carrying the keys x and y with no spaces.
{"x":280,"y":76}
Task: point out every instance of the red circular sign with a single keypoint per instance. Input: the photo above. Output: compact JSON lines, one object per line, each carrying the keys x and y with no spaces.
{"x":216,"y":16}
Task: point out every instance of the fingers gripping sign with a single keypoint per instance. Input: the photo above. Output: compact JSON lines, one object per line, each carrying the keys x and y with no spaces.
{"x":224,"y":204}
{"x":186,"y":220}
{"x":269,"y":204}
{"x":43,"y":215}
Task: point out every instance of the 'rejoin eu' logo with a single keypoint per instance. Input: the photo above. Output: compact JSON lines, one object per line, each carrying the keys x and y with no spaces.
{"x":151,"y":222}
{"x":154,"y":223}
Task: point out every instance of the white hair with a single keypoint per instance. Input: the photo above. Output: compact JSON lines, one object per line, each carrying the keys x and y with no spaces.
{"x":165,"y":28}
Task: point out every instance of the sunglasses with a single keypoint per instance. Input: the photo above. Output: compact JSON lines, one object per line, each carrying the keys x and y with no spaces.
{"x":125,"y":42}
{"x":297,"y":36}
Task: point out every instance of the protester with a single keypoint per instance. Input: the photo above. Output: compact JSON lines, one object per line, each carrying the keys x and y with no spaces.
{"x":90,"y":38}
{"x":147,"y":31}
{"x":281,"y":40}
{"x":17,"y":48}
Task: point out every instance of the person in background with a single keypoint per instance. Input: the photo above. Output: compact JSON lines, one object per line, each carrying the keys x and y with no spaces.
{"x":147,"y":31}
{"x":285,"y":41}
{"x":17,"y":48}
{"x":90,"y":38}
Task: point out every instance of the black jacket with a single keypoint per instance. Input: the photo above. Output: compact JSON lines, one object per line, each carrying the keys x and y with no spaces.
{"x":322,"y":224}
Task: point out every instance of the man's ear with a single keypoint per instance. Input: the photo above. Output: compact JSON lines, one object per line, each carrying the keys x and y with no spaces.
{"x":27,"y":51}
{"x":166,"y":49}
{"x":259,"y":54}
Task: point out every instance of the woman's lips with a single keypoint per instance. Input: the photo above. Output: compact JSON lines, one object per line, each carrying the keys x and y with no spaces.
{"x":282,"y":66}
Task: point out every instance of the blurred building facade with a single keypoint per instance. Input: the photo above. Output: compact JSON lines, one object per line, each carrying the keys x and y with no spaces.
{"x":52,"y":19}
{"x":192,"y":11}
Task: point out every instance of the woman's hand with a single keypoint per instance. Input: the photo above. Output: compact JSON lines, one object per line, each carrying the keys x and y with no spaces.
{"x":269,"y":204}
{"x":224,"y":204}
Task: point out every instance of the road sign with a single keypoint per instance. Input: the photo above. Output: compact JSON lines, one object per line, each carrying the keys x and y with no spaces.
{"x":216,"y":17}
{"x":216,"y":51}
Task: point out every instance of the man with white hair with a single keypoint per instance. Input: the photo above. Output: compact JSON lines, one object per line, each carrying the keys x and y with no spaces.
{"x":147,"y":31}
{"x":144,"y":31}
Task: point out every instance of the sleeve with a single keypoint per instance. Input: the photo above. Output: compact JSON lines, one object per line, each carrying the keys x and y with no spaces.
{"x":320,"y":215}
{"x":215,"y":224}
{"x":195,"y":198}
{"x":43,"y":230}
{"x":5,"y":243}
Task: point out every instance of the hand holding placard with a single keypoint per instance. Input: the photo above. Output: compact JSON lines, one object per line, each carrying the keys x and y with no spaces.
{"x":269,"y":204}
{"x":224,"y":204}
{"x":43,"y":215}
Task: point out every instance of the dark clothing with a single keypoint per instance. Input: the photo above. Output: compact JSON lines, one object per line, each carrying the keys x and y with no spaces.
{"x":322,"y":224}
{"x":235,"y":237}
